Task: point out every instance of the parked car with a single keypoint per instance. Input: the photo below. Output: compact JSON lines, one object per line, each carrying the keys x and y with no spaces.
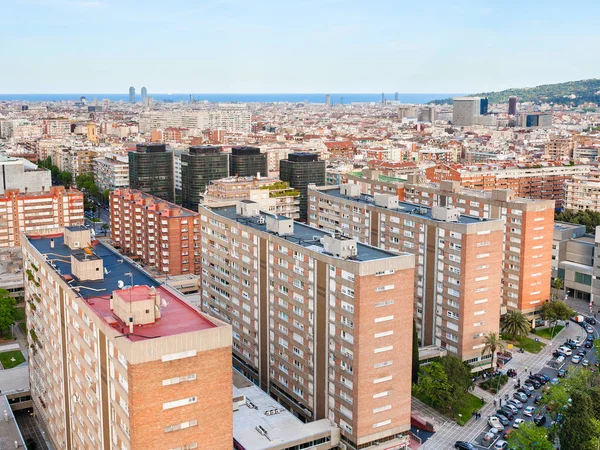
{"x":536,"y":383}
{"x":543,"y":376}
{"x":528,"y":411}
{"x":528,"y":386}
{"x":516,"y":403}
{"x":585,"y":363}
{"x":503,"y":420}
{"x":590,"y":320}
{"x":576,"y":359}
{"x":589,"y":344}
{"x":537,"y":399}
{"x":560,"y":359}
{"x":527,"y":392}
{"x":501,"y":445}
{"x":507,"y":413}
{"x":520,"y":396}
{"x":540,"y":379}
{"x":589,"y":330}
{"x":561,"y":373}
{"x":494,"y":422}
{"x":512,"y":408}
{"x":566,"y":350}
{"x":539,"y":419}
{"x":463,"y":445}
{"x":581,"y":353}
{"x":518,"y":422}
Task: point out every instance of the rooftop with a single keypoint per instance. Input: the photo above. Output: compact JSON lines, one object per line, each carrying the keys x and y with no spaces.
{"x":176,"y":316}
{"x":381,"y":177}
{"x":403,"y":207}
{"x":303,"y":235}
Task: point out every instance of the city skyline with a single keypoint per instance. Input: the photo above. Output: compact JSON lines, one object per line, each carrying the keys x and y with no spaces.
{"x":408,"y":47}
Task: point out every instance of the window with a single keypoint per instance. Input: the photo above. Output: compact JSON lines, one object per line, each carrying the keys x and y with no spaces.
{"x":583,"y":278}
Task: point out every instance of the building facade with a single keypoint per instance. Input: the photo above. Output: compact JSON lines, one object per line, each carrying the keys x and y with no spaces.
{"x":583,"y":192}
{"x":527,"y":255}
{"x":198,"y":168}
{"x":300,"y":170}
{"x":151,"y":170}
{"x":111,"y":172}
{"x":17,"y":173}
{"x":248,"y":162}
{"x":161,"y":234}
{"x":315,"y":319}
{"x":458,"y":261}
{"x":120,"y":367}
{"x":22,"y":212}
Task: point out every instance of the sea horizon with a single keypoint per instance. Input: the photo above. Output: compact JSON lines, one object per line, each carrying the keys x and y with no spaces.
{"x":335,"y":98}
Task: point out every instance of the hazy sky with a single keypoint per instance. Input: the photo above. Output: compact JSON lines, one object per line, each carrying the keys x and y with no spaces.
{"x":104,"y":46}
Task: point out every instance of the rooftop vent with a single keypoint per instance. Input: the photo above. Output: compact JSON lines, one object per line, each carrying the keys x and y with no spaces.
{"x":340,"y":246}
{"x":281,"y":226}
{"x":445,"y":214}
{"x":247,"y":208}
{"x":350,"y":190}
{"x":386,"y":201}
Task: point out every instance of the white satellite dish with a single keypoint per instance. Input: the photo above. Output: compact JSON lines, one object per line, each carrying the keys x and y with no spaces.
{"x":163,"y":303}
{"x":120,"y":284}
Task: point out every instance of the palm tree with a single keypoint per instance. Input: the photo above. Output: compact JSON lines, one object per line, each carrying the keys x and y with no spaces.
{"x":558,"y":284}
{"x":515,"y":324}
{"x":492,"y":343}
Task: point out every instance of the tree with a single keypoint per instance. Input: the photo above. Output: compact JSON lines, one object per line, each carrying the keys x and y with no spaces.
{"x":65,"y":178}
{"x":529,"y":436}
{"x":554,"y":311}
{"x":578,"y":429}
{"x":7,"y":310}
{"x":515,"y":324}
{"x":491,"y":344}
{"x":434,"y":385}
{"x":558,"y":284}
{"x":591,"y":219}
{"x":459,"y":376}
{"x":106,"y":195}
{"x":105,"y":227}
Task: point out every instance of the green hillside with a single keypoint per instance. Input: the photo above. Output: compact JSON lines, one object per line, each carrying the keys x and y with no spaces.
{"x":559,"y":93}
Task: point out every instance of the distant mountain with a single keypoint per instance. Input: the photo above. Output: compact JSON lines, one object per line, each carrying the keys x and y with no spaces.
{"x":570,"y":93}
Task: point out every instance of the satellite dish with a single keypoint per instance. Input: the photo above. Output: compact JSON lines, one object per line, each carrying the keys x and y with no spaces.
{"x":163,"y":303}
{"x":120,"y":284}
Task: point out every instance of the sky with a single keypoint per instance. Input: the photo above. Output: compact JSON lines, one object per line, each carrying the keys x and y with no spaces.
{"x":303,"y":46}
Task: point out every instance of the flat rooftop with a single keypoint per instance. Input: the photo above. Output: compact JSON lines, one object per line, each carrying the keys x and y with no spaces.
{"x":176,"y":317}
{"x":380,"y":177}
{"x":413,"y":209}
{"x":303,"y":235}
{"x":283,"y":429}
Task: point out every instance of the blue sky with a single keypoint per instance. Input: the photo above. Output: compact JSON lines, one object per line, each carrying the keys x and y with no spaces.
{"x":104,"y":46}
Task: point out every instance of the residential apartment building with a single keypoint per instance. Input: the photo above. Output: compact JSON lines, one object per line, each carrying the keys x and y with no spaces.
{"x":527,"y":235}
{"x":26,"y":212}
{"x":458,"y":276}
{"x":372,"y":182}
{"x":161,"y":234}
{"x":115,"y":365}
{"x":300,"y":170}
{"x":151,"y":169}
{"x":56,"y":127}
{"x":317,"y":319}
{"x":541,"y":181}
{"x":111,"y":172}
{"x":559,"y":146}
{"x":18,"y":173}
{"x":583,"y":192}
{"x":272,"y":195}
{"x":199,"y":167}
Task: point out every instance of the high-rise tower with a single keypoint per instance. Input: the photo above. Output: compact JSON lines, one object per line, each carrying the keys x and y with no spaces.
{"x":151,"y":171}
{"x":144,"y":95}
{"x":512,"y":106}
{"x":300,"y":170}
{"x":131,"y":94}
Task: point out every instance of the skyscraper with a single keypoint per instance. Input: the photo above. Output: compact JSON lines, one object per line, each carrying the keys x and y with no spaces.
{"x":512,"y":106}
{"x":144,"y":95}
{"x":466,"y":109}
{"x":483,"y":106}
{"x":131,"y":94}
{"x":248,"y":162}
{"x":300,"y":170}
{"x":327,"y":100}
{"x":199,"y":167}
{"x":151,"y":171}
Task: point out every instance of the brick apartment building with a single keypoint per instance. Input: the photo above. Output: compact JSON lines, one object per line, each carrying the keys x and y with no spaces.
{"x":158,"y":233}
{"x":527,"y":255}
{"x":540,"y":181}
{"x":24,"y":212}
{"x":458,"y":261}
{"x":117,"y":366}
{"x":319,"y":321}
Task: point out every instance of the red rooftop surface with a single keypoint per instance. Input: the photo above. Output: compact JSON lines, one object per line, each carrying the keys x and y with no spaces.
{"x":135,"y":294}
{"x":176,"y":318}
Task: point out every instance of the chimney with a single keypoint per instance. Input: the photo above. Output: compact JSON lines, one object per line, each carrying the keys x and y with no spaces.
{"x":52,"y":243}
{"x":131,"y":325}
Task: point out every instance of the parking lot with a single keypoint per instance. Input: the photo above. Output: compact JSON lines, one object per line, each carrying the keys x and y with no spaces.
{"x":553,"y":371}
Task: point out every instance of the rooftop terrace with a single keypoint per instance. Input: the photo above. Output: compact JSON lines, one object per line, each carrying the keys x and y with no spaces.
{"x":303,"y":235}
{"x":176,"y":316}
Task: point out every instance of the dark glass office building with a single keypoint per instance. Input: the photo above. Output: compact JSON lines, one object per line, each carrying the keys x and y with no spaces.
{"x":151,"y":171}
{"x":199,"y":167}
{"x":483,"y":106}
{"x":512,"y":106}
{"x":300,"y":170}
{"x":248,"y":162}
